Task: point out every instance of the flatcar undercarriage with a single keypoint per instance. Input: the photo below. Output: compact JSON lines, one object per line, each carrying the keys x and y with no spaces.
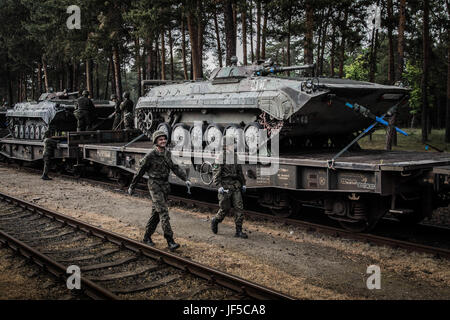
{"x":359,"y":189}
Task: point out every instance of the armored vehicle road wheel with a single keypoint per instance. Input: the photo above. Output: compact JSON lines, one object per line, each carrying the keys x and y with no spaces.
{"x":180,"y":136}
{"x":213,"y":136}
{"x":145,"y":121}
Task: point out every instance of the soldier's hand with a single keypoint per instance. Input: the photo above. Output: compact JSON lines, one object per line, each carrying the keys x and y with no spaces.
{"x":244,"y":189}
{"x":130,"y":191}
{"x":221,"y":190}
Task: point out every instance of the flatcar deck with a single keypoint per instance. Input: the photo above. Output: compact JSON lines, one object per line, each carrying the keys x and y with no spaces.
{"x":371,"y":160}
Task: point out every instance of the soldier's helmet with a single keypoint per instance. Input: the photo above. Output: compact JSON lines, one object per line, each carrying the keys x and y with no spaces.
{"x":113,"y":96}
{"x":126,"y":95}
{"x":158,"y":134}
{"x":85,"y":93}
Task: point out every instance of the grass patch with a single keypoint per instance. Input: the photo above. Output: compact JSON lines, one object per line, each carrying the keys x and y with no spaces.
{"x":411,"y":143}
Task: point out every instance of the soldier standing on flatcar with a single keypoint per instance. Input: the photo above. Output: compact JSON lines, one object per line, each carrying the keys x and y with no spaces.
{"x":49,"y":153}
{"x":85,"y":112}
{"x":126,"y":107}
{"x":230,"y":180}
{"x":158,"y":164}
{"x":118,"y":113}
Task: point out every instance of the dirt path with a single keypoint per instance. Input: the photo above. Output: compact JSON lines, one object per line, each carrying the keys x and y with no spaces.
{"x":288,"y":259}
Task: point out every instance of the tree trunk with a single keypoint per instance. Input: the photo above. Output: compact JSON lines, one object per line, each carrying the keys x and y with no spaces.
{"x":333,"y":50}
{"x":172,"y":70}
{"x":391,"y":68}
{"x":163,"y":55}
{"x":89,"y":81}
{"x":244,"y":35}
{"x":342,"y":53}
{"x":39,"y":79}
{"x":117,"y":71}
{"x":192,"y":27}
{"x":258,"y":29}
{"x":426,"y":36}
{"x":447,"y":123}
{"x":183,"y":48}
{"x":200,"y":32}
{"x":373,"y":55}
{"x":264,"y":33}
{"x":309,"y":37}
{"x":97,"y":82}
{"x":230,"y":33}
{"x":44,"y":65}
{"x":219,"y":48}
{"x":75,"y":76}
{"x":138,"y":64}
{"x":401,"y":39}
{"x":251,"y":32}
{"x":288,"y":47}
{"x":108,"y":74}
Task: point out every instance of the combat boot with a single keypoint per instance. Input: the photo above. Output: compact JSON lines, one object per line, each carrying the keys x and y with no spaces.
{"x":214,"y":225}
{"x":172,"y":244}
{"x":47,"y":178}
{"x":148,"y":241}
{"x":240,"y":234}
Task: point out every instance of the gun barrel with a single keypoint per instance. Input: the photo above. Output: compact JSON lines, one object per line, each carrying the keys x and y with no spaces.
{"x":294,"y":68}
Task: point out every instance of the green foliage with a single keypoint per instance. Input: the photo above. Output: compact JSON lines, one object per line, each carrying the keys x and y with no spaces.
{"x":413,"y":74}
{"x":358,"y":69}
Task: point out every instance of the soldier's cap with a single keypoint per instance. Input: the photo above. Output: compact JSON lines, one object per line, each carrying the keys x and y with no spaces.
{"x":126,"y":95}
{"x":158,"y":134}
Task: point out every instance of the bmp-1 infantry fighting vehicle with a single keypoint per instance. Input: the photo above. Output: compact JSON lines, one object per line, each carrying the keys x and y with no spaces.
{"x":310,"y":112}
{"x":30,"y":120}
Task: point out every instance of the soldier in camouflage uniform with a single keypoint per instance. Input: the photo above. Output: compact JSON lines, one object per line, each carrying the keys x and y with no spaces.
{"x":230,"y":180}
{"x":126,"y":107}
{"x":49,"y":153}
{"x":118,"y":113}
{"x":85,"y":112}
{"x":157,"y":164}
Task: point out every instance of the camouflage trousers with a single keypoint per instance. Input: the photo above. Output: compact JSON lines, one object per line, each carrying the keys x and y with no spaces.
{"x":117,"y":121}
{"x":128,"y":120}
{"x":226,"y":201}
{"x":160,"y":212}
{"x":47,"y":164}
{"x":84,"y":121}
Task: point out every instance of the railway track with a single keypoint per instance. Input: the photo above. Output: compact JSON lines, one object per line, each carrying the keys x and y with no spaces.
{"x":372,"y":238}
{"x":112,"y":266}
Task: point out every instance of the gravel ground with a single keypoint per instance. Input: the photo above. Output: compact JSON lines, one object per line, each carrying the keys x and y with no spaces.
{"x":302,"y":264}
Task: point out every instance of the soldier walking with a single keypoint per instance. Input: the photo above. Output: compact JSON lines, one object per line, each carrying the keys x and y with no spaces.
{"x":50,"y":145}
{"x":85,"y":112}
{"x":230,"y":180}
{"x":118,"y":113}
{"x":126,"y":107}
{"x":157,"y":164}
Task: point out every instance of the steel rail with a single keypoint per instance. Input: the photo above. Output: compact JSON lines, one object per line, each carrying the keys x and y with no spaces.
{"x":57,"y":269}
{"x":223,"y":279}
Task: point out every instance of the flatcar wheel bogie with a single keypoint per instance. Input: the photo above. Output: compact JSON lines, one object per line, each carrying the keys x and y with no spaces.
{"x":282,"y":212}
{"x":356,"y":227}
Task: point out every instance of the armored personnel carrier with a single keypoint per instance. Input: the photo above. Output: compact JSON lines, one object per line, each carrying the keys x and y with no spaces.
{"x":30,"y":120}
{"x":310,"y":112}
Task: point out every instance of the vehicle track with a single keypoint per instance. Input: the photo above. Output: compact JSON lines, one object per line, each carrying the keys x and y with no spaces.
{"x":112,"y":266}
